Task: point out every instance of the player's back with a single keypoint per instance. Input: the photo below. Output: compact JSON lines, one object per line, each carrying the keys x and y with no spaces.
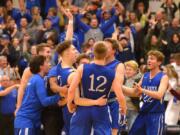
{"x":96,"y":81}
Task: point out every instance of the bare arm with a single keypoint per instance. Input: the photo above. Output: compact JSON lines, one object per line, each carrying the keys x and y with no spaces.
{"x":132,"y":92}
{"x":89,"y":102}
{"x":56,"y":88}
{"x":161,"y":90}
{"x":25,"y":78}
{"x":117,"y":88}
{"x":69,"y":33}
{"x":9,"y":89}
{"x":74,"y":84}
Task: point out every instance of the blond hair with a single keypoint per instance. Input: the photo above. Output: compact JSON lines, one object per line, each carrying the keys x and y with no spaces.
{"x":171,"y":72}
{"x":100,"y":50}
{"x":133,"y":64}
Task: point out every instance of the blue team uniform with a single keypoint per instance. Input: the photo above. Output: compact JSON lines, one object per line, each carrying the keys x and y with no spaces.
{"x":112,"y":102}
{"x":150,"y":120}
{"x":28,"y":118}
{"x":96,"y":82}
{"x":62,"y":75}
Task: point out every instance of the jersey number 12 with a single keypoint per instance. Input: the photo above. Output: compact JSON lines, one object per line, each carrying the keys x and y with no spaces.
{"x":99,"y":87}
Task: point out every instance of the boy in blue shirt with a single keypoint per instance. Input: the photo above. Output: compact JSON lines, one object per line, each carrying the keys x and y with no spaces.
{"x":151,"y":87}
{"x":28,"y":117}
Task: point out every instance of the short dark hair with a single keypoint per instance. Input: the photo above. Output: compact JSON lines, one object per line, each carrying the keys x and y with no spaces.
{"x":63,"y":46}
{"x":114,"y":43}
{"x":36,"y":62}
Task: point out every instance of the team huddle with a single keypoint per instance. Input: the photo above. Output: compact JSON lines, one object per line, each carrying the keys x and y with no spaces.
{"x":93,"y":91}
{"x":91,"y":96}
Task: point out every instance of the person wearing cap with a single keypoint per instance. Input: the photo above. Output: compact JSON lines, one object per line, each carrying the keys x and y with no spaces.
{"x":124,"y":53}
{"x":106,"y":16}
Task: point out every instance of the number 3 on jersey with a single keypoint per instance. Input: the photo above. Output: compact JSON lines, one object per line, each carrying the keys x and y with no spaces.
{"x":99,"y":88}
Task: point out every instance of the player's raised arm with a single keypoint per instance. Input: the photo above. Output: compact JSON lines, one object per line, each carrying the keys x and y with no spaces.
{"x":69,"y":33}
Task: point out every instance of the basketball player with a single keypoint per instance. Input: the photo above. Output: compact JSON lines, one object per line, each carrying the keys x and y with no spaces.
{"x":118,"y":67}
{"x":96,"y":80}
{"x":152,"y":86}
{"x":28,"y":117}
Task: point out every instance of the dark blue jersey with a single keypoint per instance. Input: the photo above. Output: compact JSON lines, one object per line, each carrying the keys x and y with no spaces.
{"x":149,"y":104}
{"x":61,"y":73}
{"x":112,"y":65}
{"x":96,"y":81}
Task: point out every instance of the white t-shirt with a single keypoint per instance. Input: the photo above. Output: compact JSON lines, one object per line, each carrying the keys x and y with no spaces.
{"x":177,"y":68}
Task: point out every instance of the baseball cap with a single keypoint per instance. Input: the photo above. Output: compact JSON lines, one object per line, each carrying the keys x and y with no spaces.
{"x":5,"y":36}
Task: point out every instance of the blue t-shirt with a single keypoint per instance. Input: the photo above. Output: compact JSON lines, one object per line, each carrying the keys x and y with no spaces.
{"x":35,"y":97}
{"x":149,"y":104}
{"x":8,"y":102}
{"x":96,"y":81}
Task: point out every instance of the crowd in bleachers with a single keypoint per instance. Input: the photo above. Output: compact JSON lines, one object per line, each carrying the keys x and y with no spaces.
{"x":135,"y":27}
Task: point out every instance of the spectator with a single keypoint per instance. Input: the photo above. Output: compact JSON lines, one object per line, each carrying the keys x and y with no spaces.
{"x":174,"y":45}
{"x":173,"y":28}
{"x":94,"y":30}
{"x":131,"y":76}
{"x":17,"y":14}
{"x":52,"y":15}
{"x":170,"y":9}
{"x":8,"y":105}
{"x":124,"y":54}
{"x":173,"y":108}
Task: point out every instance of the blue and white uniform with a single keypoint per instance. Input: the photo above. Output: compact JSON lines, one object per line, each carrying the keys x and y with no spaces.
{"x":150,"y":120}
{"x":28,"y":117}
{"x":62,"y":75}
{"x":96,"y":82}
{"x":112,"y":102}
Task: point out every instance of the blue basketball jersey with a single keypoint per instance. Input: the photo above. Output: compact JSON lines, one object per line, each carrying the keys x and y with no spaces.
{"x":112,"y":65}
{"x":149,"y":104}
{"x":62,"y":74}
{"x":96,"y":81}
